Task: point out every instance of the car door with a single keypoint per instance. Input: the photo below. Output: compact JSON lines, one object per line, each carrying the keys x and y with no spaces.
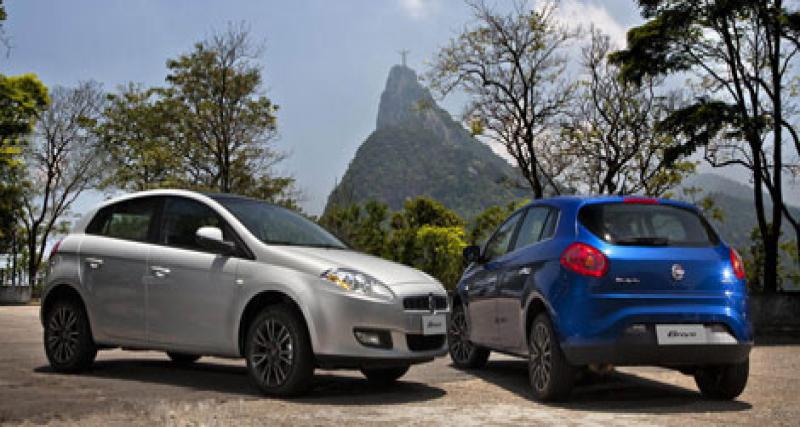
{"x":481,"y":284}
{"x":113,"y":264}
{"x":190,"y":290}
{"x":526,"y":256}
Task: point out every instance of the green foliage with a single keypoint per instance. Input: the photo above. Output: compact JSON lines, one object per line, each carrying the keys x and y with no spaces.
{"x":488,"y":221}
{"x":22,"y":98}
{"x":439,"y":250}
{"x":362,"y":227}
{"x":140,"y":131}
{"x":754,"y":261}
{"x":423,"y":235}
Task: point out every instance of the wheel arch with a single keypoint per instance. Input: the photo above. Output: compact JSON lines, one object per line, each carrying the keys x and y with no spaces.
{"x":536,"y":305}
{"x":258,"y":302}
{"x":60,"y":292}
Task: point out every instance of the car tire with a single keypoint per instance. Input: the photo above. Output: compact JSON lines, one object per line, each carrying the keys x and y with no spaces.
{"x":551,"y":376}
{"x":463,"y":353}
{"x":183,"y":358}
{"x":68,"y":341}
{"x":384,"y":376}
{"x":723,"y":382}
{"x":280,"y":360}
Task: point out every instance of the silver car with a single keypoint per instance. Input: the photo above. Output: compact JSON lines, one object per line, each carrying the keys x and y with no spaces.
{"x":197,"y":274}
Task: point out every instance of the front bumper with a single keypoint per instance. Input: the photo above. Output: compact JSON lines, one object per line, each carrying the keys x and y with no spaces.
{"x":337,"y":315}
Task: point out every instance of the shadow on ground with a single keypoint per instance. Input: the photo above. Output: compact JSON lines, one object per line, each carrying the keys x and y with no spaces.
{"x":223,"y":380}
{"x":615,"y":392}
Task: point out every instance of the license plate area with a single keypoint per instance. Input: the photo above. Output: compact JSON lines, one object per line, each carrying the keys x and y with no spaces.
{"x":434,"y":324}
{"x":681,"y":334}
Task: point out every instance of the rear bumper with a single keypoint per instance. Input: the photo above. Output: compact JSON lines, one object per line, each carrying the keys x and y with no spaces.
{"x":655,"y":355}
{"x":643,"y":349}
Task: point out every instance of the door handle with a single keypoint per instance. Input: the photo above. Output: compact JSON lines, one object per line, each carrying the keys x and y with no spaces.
{"x":160,"y":272}
{"x":94,"y":263}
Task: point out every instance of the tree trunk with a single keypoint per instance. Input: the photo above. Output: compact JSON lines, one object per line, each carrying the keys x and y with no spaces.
{"x":777,"y":161}
{"x":32,"y":267}
{"x":770,"y":285}
{"x":13,"y":258}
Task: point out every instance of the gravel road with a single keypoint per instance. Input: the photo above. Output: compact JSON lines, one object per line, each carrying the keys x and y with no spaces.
{"x":144,"y":388}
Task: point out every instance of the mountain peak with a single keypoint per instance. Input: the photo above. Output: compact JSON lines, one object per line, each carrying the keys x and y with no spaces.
{"x":418,"y":149}
{"x":402,"y":98}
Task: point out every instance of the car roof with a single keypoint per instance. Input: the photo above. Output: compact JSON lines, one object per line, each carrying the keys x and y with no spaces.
{"x":575,"y":201}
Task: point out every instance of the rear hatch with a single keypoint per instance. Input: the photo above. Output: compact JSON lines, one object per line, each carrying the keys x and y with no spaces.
{"x":656,"y":248}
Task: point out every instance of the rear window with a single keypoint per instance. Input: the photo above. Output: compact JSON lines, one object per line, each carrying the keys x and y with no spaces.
{"x":631,"y":224}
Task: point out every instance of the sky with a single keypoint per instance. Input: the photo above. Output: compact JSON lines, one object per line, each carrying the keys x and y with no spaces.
{"x":325,"y":62}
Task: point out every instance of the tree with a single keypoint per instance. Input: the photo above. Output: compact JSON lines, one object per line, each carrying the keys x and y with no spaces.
{"x":21,"y":100}
{"x":62,"y":161}
{"x":513,"y":70}
{"x":362,"y":227}
{"x":736,"y":49}
{"x":613,"y":146}
{"x":416,"y":213}
{"x":440,"y":250}
{"x":139,"y":131}
{"x":209,"y":128}
{"x":230,"y":124}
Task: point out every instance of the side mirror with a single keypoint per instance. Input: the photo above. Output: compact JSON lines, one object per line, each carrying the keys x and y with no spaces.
{"x":472,"y":254}
{"x":211,"y":238}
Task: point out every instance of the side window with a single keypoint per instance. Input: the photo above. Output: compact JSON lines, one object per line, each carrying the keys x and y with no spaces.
{"x":182,"y":218}
{"x":499,"y":243}
{"x":550,"y":228}
{"x":532,"y":226}
{"x":129,"y":220}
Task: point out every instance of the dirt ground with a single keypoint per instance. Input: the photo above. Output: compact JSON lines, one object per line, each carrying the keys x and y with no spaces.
{"x":143,"y":388}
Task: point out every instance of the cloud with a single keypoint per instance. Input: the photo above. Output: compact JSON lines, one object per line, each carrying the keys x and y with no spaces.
{"x":416,"y":9}
{"x":585,"y":13}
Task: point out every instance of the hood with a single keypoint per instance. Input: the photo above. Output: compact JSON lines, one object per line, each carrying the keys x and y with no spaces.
{"x":388,"y":272}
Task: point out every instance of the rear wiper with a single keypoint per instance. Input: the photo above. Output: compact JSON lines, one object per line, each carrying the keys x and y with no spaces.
{"x":647,"y":241}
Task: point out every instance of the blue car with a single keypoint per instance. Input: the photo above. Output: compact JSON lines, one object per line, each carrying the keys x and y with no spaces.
{"x":577,"y":283}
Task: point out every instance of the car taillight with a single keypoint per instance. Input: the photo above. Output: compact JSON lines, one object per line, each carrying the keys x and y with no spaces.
{"x":737,"y":264}
{"x":55,"y":249}
{"x":584,"y":259}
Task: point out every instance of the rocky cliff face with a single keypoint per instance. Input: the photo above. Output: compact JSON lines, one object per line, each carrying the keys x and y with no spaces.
{"x":418,"y":149}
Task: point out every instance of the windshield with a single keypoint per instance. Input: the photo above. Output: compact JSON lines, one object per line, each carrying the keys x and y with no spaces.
{"x":278,"y":226}
{"x":631,"y":224}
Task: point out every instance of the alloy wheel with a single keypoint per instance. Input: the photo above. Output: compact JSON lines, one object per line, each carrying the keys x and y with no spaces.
{"x":540,"y":365}
{"x":272,"y":356}
{"x":63,"y":333}
{"x":460,"y":345}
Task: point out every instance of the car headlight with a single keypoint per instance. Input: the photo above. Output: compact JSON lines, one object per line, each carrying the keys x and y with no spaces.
{"x":358,"y":282}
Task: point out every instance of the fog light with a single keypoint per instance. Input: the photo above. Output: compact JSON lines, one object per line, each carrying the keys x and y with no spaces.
{"x":373,"y":338}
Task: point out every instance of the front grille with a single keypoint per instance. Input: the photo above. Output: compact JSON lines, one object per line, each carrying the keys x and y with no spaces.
{"x":422,"y":303}
{"x":425,"y":342}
